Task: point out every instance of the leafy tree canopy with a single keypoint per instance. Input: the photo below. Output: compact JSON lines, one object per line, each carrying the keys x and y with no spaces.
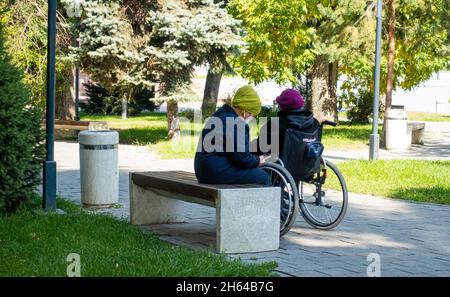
{"x":285,"y":37}
{"x":26,"y":37}
{"x":279,"y":36}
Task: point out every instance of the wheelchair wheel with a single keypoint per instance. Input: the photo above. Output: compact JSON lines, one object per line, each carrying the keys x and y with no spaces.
{"x":280,"y":177}
{"x":324,"y":197}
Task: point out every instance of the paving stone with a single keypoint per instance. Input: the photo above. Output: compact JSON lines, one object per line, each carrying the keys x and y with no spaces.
{"x":412,"y":239}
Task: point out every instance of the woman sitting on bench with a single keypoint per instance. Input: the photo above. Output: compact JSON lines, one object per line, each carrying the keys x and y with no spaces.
{"x":223,"y":155}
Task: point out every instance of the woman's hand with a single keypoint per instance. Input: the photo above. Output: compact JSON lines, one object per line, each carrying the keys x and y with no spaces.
{"x":263,"y":159}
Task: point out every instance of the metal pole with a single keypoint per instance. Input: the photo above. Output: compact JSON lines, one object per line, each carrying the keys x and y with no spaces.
{"x":77,"y":80}
{"x":374,"y":137}
{"x":49,"y":178}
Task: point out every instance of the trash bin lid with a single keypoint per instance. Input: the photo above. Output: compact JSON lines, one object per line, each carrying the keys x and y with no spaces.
{"x":98,"y":137}
{"x":396,"y":114}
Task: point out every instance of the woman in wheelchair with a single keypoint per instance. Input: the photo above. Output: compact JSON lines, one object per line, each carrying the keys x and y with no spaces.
{"x":307,"y":180}
{"x":292,"y":113}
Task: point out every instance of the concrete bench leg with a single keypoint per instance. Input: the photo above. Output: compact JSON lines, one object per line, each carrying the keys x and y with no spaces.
{"x":418,"y":136}
{"x":148,"y":206}
{"x":248,"y":220}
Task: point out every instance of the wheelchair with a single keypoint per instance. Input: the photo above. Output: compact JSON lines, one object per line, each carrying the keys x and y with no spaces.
{"x":321,"y":198}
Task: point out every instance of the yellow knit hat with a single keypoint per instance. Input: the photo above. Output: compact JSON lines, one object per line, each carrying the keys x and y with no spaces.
{"x":248,"y":100}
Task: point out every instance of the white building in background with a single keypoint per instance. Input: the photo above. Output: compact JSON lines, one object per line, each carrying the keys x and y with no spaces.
{"x":431,"y":96}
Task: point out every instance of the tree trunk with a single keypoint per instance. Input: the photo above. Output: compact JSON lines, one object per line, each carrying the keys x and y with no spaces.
{"x":332,"y":85}
{"x":391,"y":54}
{"x":65,"y":104}
{"x":324,"y":101}
{"x":211,"y":93}
{"x":172,"y":120}
{"x":124,"y":106}
{"x":390,"y":67}
{"x":305,"y":84}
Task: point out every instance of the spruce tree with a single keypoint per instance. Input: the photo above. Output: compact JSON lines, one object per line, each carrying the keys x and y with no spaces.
{"x":185,"y":34}
{"x":107,"y":51}
{"x":128,"y":45}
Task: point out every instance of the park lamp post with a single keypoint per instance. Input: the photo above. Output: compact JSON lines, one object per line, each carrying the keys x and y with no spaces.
{"x":374,"y":137}
{"x":49,"y":172}
{"x":77,"y":69}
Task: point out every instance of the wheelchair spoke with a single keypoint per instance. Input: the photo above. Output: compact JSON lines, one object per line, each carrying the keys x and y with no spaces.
{"x":328,"y":215}
{"x":323,"y":205}
{"x":280,"y":177}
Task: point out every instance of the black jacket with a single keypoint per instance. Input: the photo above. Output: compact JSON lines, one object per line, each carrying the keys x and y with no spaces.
{"x":302,"y":118}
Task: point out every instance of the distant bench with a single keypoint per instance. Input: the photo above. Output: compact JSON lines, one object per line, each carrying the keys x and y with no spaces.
{"x":80,"y":125}
{"x":66,"y":129}
{"x":416,"y":132}
{"x":247,"y":216}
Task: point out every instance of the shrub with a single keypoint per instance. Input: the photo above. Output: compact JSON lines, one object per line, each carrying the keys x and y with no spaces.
{"x":100,"y":100}
{"x":103,"y":101}
{"x":362,"y":107}
{"x":358,"y":98}
{"x":21,"y":137}
{"x":188,"y":113}
{"x":267,"y":112}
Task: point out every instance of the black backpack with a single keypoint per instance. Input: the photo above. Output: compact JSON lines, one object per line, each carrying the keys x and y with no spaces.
{"x":302,"y":148}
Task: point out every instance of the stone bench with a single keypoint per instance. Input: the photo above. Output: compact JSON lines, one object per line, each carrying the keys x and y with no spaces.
{"x":247,"y":216}
{"x":67,"y":129}
{"x":81,"y":125}
{"x":416,"y":132}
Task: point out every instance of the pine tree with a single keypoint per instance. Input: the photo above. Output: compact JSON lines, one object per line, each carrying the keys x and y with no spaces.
{"x":21,"y":136}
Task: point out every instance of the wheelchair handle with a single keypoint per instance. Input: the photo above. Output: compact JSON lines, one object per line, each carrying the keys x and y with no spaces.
{"x":328,"y":123}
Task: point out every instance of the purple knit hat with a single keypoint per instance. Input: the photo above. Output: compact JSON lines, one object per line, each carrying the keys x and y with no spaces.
{"x":290,"y":99}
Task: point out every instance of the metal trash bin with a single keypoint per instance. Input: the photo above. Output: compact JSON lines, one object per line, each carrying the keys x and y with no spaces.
{"x":397,"y":128}
{"x":99,"y":168}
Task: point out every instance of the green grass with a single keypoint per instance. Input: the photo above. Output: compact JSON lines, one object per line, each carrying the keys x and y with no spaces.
{"x":33,"y":243}
{"x":424,"y":181}
{"x":416,"y":116}
{"x":427,"y":117}
{"x":150,"y":129}
{"x":347,"y":136}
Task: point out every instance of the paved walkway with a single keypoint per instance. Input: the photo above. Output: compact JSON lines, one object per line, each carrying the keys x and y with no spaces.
{"x":411,"y":239}
{"x":437,"y":147}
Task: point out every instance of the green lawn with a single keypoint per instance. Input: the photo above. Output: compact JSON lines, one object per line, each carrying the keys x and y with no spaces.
{"x":347,"y":136}
{"x":415,"y":116}
{"x":427,"y":117}
{"x":151,"y":129}
{"x":425,"y":181}
{"x":36,"y":244}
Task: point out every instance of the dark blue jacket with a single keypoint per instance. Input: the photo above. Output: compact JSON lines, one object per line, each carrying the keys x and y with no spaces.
{"x":219,"y":165}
